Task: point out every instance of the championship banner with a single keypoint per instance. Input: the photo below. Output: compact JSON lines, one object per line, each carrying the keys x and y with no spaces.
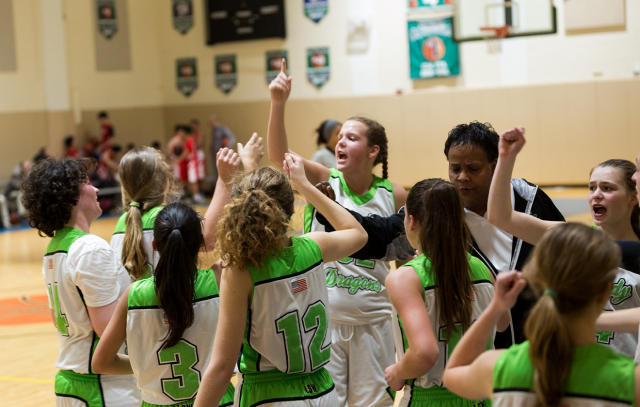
{"x":274,"y":63}
{"x":186,"y":75}
{"x":415,"y":5}
{"x":226,"y":72}
{"x":432,"y":51}
{"x":182,"y":11}
{"x":316,"y":9}
{"x":318,"y":65}
{"x":107,"y":19}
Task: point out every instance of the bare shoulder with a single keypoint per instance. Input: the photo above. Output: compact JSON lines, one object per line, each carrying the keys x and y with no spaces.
{"x":400,"y":195}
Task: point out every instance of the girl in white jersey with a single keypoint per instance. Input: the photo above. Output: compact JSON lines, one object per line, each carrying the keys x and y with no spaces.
{"x":83,"y":277}
{"x":614,"y":202}
{"x":362,"y":339}
{"x":274,"y":307}
{"x":437,"y":295}
{"x":572,"y":269}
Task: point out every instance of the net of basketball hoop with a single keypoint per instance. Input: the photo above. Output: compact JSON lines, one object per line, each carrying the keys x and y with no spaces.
{"x":494,"y":37}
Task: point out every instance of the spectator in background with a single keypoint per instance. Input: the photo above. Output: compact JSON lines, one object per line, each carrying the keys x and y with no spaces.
{"x":90,"y":148}
{"x":221,"y":137}
{"x":182,"y":148}
{"x":42,"y":154}
{"x":130,"y":146}
{"x":108,"y":166}
{"x":70,"y":147}
{"x":199,"y":158}
{"x":106,"y":127}
{"x":327,"y":135}
{"x":156,"y":144}
{"x":15,"y":183}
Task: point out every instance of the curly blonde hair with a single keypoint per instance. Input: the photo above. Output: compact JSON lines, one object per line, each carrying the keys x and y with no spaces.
{"x":256,"y":222}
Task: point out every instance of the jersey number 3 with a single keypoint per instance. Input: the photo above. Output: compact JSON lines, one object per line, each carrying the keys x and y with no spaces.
{"x":314,"y":319}
{"x":185,"y":380}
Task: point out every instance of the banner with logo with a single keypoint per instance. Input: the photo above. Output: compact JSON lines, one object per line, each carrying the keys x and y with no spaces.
{"x":415,"y":5}
{"x":274,"y":63}
{"x":186,"y":75}
{"x":182,"y":11}
{"x":226,"y":72}
{"x":316,"y":9}
{"x":318,"y":65}
{"x":107,"y":18}
{"x":432,"y":51}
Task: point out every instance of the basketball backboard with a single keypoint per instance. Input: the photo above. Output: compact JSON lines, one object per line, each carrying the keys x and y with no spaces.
{"x":524,"y":17}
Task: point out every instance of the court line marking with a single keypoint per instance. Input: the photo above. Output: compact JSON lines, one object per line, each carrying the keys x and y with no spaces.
{"x":25,"y":380}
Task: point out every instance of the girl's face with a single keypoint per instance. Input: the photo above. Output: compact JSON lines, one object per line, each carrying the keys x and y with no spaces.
{"x":610,"y":201}
{"x":352,"y":151}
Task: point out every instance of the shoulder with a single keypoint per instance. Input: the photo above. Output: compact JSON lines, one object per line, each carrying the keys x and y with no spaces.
{"x":87,"y":244}
{"x":402,"y":278}
{"x":479,"y":269}
{"x":399,"y":194}
{"x":306,"y":246}
{"x":142,"y":293}
{"x":121,"y":225}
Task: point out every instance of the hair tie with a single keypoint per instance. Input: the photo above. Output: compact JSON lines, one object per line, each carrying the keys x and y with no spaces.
{"x":174,"y":229}
{"x":550,"y":292}
{"x":134,"y":203}
{"x":251,"y":189}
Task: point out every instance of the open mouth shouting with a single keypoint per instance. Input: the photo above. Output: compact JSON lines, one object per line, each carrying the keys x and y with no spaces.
{"x":341,"y":156}
{"x":598,"y":211}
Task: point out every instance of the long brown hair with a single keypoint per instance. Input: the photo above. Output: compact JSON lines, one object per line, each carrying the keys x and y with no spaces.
{"x":376,"y":136}
{"x":444,"y":238}
{"x":575,"y":262}
{"x":255,"y":223}
{"x":147,"y":179}
{"x":627,"y":169}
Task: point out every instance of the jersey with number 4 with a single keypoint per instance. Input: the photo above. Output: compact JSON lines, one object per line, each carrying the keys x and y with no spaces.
{"x":171,"y":375}
{"x":482,"y":294}
{"x":356,"y":287}
{"x":80,"y":270}
{"x":288,"y":326}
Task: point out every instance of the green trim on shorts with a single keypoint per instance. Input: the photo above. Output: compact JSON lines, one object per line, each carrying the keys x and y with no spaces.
{"x":84,"y":387}
{"x":274,"y":386}
{"x":227,"y":400}
{"x":440,"y":395}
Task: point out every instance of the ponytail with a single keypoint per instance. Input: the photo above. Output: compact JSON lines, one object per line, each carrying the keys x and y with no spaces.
{"x":444,"y":239}
{"x":568,"y":284}
{"x":178,"y":236}
{"x":255,"y":223}
{"x":376,"y":136}
{"x":134,"y":255}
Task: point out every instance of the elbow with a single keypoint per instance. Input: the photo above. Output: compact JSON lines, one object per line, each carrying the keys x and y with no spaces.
{"x":97,"y":364}
{"x":427,"y":358}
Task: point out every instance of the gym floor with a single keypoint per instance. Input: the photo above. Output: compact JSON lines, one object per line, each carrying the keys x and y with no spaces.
{"x":28,"y":341}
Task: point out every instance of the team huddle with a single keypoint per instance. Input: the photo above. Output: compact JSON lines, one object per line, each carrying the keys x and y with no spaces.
{"x":319,"y":319}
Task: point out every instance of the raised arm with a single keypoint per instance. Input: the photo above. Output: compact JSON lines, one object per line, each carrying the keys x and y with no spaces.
{"x":251,"y":153}
{"x":500,"y":210}
{"x":227,"y":163}
{"x":277,"y":144}
{"x":627,"y":320}
{"x":469,"y":372}
{"x":349,"y":235}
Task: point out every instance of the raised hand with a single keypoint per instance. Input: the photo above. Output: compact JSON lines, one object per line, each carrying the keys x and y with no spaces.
{"x":511,"y":142}
{"x":227,"y":162}
{"x":280,"y":87}
{"x":508,"y":287}
{"x":251,"y":153}
{"x":294,"y":170}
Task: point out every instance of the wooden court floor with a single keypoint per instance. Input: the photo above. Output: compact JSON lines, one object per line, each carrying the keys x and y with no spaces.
{"x":28,"y":340}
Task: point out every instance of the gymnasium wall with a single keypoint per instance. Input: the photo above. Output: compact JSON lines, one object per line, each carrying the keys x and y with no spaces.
{"x":576,"y":94}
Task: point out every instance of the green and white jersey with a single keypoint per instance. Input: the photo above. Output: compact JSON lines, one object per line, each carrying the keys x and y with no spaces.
{"x":624,"y":295}
{"x":172,"y":375}
{"x":357,"y":293}
{"x":598,"y":377}
{"x":148,"y":218}
{"x":80,"y":270}
{"x":483,"y":293}
{"x":288,"y":326}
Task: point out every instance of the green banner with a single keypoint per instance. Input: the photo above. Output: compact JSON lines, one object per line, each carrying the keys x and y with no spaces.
{"x":318,"y":69}
{"x":187,"y":75}
{"x":226,"y":72}
{"x":107,"y":18}
{"x":182,"y":11}
{"x":274,"y":63}
{"x":432,"y":51}
{"x":426,"y":4}
{"x":316,"y":9}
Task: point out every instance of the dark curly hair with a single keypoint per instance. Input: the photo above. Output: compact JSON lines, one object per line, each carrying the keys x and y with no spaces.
{"x":50,"y":191}
{"x":474,"y":134}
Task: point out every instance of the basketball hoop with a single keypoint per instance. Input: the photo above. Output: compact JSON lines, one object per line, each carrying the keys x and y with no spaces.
{"x":494,"y":41}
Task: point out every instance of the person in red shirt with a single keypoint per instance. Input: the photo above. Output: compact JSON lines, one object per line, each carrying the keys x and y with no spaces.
{"x":200,"y":156}
{"x":70,"y":147}
{"x":183,"y":150}
{"x":106,"y":130}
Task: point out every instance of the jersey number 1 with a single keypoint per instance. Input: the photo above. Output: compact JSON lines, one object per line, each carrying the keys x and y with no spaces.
{"x":61,"y":319}
{"x":314,"y":319}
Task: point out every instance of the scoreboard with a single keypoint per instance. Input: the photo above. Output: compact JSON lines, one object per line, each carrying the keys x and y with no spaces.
{"x":237,"y":20}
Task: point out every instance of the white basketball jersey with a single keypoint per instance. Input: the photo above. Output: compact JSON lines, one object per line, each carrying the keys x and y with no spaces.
{"x":624,"y":295}
{"x":357,"y":293}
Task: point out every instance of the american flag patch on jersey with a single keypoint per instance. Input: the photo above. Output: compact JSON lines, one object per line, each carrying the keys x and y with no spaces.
{"x":299,"y":285}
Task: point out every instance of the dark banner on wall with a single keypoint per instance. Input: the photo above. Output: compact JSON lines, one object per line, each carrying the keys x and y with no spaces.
{"x":186,"y":75}
{"x":274,"y":63}
{"x":226,"y":72}
{"x":318,"y":69}
{"x":107,"y":18}
{"x":316,"y":9}
{"x":182,"y":11}
{"x":432,"y":51}
{"x":233,"y":20}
